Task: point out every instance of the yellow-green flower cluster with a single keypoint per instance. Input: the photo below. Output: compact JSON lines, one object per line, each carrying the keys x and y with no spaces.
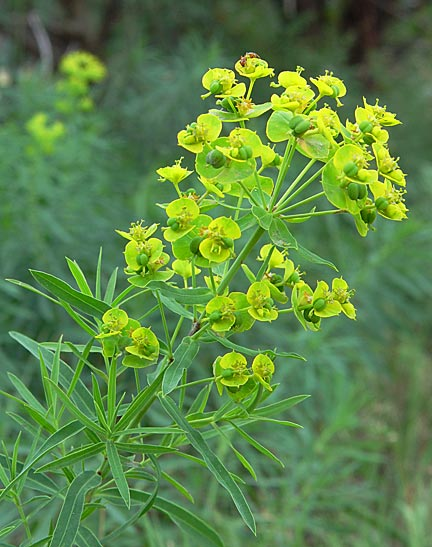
{"x":231,"y":372}
{"x":121,"y":334}
{"x":45,"y":134}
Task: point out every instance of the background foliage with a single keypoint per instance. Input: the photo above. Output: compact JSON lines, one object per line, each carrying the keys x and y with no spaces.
{"x":358,"y":474}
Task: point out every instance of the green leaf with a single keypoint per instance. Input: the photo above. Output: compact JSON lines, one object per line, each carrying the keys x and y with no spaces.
{"x":139,"y":404}
{"x":111,"y":286}
{"x":281,"y":235}
{"x":87,"y":537}
{"x":178,"y":514}
{"x":199,"y":295}
{"x":79,"y":277}
{"x":118,"y":473}
{"x":86,"y":420}
{"x":175,"y":307}
{"x":62,"y":290}
{"x":26,"y":394}
{"x":277,"y":127}
{"x":81,"y":395}
{"x":246,"y":221}
{"x":77,"y":455}
{"x":183,"y":357}
{"x":69,"y":519}
{"x":144,"y":448}
{"x":214,"y":464}
{"x":313,"y":258}
{"x":280,"y":406}
{"x":314,"y":146}
{"x":54,"y":440}
{"x":183,"y":490}
{"x":254,"y":443}
{"x":263,"y":217}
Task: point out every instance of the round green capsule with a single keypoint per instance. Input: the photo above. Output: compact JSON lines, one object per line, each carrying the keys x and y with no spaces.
{"x":245,"y":152}
{"x":215,"y":87}
{"x":310,"y":316}
{"x":302,"y":127}
{"x":215,"y":158}
{"x":368,"y":215}
{"x":194,"y":246}
{"x":229,"y":103}
{"x":294,"y":277}
{"x":142,"y":259}
{"x":295,"y":121}
{"x":381,"y":203}
{"x":319,"y":304}
{"x":215,"y":316}
{"x":335,"y":90}
{"x":276,"y":279}
{"x":353,"y":191}
{"x":365,"y":126}
{"x":350,"y":169}
{"x":362,"y":191}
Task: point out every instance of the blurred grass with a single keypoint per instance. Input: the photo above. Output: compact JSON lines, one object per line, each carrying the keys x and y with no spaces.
{"x":359,"y":473}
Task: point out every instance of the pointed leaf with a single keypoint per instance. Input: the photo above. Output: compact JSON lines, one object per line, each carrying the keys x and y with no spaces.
{"x":118,"y":473}
{"x":214,"y":464}
{"x":183,"y":357}
{"x":62,"y":290}
{"x":281,"y":235}
{"x":69,"y":519}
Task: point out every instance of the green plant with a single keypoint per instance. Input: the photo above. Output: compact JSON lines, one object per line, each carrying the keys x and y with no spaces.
{"x":83,"y":456}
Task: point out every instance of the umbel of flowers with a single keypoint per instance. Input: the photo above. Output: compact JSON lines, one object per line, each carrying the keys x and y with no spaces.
{"x":242,"y":190}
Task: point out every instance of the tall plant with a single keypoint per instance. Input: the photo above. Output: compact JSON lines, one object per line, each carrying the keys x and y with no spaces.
{"x":98,"y":446}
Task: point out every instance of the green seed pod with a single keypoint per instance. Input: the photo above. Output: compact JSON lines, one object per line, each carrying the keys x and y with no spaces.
{"x":142,"y":259}
{"x":368,"y":215}
{"x":189,"y":139}
{"x":245,"y":152}
{"x":310,"y":316}
{"x":295,"y":121}
{"x":381,"y":203}
{"x":368,"y":139}
{"x":365,"y":126}
{"x":227,"y":372}
{"x":229,"y":103}
{"x":269,"y":303}
{"x":276,"y":279}
{"x":215,"y":316}
{"x":319,"y":304}
{"x":294,"y":277}
{"x":336,"y":91}
{"x":350,"y":169}
{"x":215,"y":87}
{"x":215,"y":158}
{"x":353,"y":191}
{"x":195,"y":244}
{"x":227,"y":242}
{"x":171,"y":221}
{"x":362,"y":191}
{"x":193,"y":125}
{"x":302,"y":127}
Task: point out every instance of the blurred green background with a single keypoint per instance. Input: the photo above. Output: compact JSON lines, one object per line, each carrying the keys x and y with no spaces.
{"x":359,"y":472}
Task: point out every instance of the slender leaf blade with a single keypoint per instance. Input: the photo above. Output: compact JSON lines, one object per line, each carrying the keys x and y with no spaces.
{"x":118,"y":473}
{"x":68,"y":523}
{"x":214,"y":464}
{"x":182,"y":358}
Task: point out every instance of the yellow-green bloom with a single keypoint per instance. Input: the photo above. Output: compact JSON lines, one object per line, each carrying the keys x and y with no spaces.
{"x":221,"y":82}
{"x":205,"y":130}
{"x":230,"y":370}
{"x":183,"y":268}
{"x":389,"y":200}
{"x":138,"y":232}
{"x":261,"y":305}
{"x":330,"y":86}
{"x":342,"y":294}
{"x":175,"y":173}
{"x":276,"y":259}
{"x":144,"y":348}
{"x":377,"y":114}
{"x":220,"y":311}
{"x":181,"y":214}
{"x":263,"y":368}
{"x":82,"y":65}
{"x":217,"y":245}
{"x":388,"y":166}
{"x":44,"y":133}
{"x":252,"y":66}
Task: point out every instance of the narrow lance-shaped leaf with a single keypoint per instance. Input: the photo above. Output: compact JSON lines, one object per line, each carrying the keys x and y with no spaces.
{"x":182,"y":358}
{"x":62,"y":290}
{"x":118,"y":473}
{"x":214,"y":464}
{"x":69,"y":519}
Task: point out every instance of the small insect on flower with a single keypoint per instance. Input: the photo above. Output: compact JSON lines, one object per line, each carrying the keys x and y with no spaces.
{"x":248,"y":55}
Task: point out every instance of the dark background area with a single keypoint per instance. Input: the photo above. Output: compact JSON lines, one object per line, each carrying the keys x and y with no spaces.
{"x":359,"y":473}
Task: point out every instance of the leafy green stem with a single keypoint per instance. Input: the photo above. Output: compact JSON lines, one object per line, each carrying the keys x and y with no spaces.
{"x":285,"y":164}
{"x":295,"y":182}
